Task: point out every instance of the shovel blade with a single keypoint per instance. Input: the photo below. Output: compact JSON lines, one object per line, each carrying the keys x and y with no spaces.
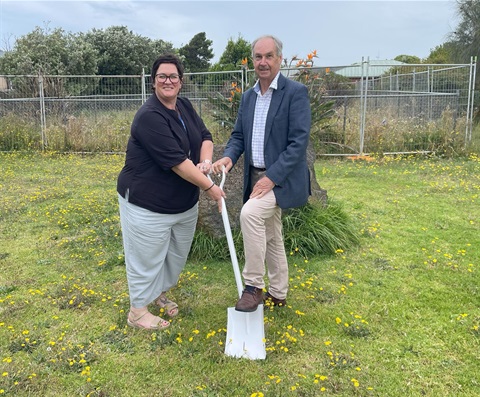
{"x":245,"y":334}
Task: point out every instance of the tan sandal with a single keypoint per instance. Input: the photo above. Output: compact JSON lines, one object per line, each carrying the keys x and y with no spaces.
{"x":170,"y":307}
{"x":159,"y":325}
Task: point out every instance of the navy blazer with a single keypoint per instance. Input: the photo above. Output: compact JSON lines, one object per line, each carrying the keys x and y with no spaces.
{"x":287,"y":132}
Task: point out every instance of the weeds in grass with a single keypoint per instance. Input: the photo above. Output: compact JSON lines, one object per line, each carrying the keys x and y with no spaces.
{"x":355,"y":326}
{"x":393,"y":314}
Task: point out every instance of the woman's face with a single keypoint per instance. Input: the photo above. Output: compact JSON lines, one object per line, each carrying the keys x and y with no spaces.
{"x":165,"y":88}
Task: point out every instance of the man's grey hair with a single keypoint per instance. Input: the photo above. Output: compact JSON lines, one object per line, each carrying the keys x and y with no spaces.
{"x":277,"y":41}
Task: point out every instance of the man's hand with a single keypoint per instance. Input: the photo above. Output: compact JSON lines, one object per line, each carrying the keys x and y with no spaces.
{"x":218,"y":165}
{"x":262,"y":187}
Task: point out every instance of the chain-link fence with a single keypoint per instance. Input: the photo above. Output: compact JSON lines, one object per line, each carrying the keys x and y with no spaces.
{"x":395,"y":108}
{"x":408,"y":108}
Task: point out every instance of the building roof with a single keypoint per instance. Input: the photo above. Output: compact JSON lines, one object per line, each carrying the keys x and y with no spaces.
{"x":375,"y":68}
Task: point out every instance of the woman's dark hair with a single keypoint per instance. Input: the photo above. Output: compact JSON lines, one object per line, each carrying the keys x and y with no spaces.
{"x":167,"y":58}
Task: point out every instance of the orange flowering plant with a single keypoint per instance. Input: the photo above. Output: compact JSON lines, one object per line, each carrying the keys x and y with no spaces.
{"x":227,"y":102}
{"x":315,"y":79}
{"x":303,"y":71}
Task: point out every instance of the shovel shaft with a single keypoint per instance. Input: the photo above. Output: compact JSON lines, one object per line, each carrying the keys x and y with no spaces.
{"x":231,"y":245}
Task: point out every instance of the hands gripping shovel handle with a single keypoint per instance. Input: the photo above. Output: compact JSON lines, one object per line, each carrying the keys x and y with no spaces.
{"x":245,"y":331}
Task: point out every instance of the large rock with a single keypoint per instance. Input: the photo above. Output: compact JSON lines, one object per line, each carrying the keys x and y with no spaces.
{"x":210,"y":220}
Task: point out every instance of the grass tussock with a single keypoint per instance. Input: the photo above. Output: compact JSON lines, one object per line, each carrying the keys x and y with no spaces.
{"x":315,"y":229}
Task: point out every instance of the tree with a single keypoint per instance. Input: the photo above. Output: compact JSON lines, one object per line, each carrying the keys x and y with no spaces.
{"x":121,"y":51}
{"x":52,"y":52}
{"x":441,"y":54}
{"x":411,"y":59}
{"x":466,"y":38}
{"x":197,"y":53}
{"x":235,"y":52}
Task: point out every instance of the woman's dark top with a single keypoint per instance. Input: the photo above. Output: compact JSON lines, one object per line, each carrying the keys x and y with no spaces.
{"x":159,"y":141}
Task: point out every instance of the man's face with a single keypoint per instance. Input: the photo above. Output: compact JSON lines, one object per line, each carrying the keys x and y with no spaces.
{"x":265,"y":60}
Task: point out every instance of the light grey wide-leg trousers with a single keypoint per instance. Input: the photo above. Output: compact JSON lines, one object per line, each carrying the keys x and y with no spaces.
{"x":156,"y":248}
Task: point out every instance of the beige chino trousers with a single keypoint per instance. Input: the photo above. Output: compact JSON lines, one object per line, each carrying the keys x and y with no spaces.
{"x":261,"y":224}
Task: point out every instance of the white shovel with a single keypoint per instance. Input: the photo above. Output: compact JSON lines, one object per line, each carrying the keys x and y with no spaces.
{"x":245,"y":330}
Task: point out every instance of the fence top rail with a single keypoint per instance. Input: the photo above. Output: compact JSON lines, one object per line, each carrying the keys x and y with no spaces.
{"x":71,"y":75}
{"x":106,"y":75}
{"x":315,"y":67}
{"x":219,"y":72}
{"x":372,"y":95}
{"x":420,"y":65}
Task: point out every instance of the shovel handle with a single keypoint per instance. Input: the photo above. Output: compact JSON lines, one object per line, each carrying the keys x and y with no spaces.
{"x":224,"y":176}
{"x":228,"y":233}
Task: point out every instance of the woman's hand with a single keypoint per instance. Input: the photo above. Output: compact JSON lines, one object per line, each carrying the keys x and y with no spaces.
{"x":188,"y":171}
{"x":216,"y":194}
{"x":205,"y":166}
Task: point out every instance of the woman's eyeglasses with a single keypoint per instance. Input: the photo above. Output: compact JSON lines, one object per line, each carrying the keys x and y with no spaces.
{"x":162,"y":78}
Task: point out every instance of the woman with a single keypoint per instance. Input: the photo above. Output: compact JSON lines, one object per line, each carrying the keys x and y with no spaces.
{"x":169,"y":154}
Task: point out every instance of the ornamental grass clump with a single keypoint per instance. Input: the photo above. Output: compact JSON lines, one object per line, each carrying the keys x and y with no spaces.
{"x":315,"y":229}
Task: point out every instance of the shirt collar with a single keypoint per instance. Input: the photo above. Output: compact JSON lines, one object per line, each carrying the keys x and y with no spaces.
{"x":273,"y":84}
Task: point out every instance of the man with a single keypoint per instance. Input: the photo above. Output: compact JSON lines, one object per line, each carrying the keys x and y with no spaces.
{"x":272,"y":131}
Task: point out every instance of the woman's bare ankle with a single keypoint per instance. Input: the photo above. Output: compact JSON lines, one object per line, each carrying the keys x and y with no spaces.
{"x":138,"y":311}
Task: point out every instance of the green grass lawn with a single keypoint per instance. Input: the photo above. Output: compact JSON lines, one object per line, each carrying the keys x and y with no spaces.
{"x":397,"y":316}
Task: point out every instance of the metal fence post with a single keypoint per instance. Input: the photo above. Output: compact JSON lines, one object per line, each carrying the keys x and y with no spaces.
{"x":144,"y":94}
{"x":363,"y":102}
{"x":469,"y":123}
{"x":474,"y":75}
{"x":43,"y":122}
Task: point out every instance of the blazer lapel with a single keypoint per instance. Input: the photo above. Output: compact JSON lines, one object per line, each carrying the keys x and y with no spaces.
{"x":249,"y":111}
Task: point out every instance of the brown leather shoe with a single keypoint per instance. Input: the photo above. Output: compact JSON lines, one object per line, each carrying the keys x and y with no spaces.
{"x":249,"y":300}
{"x":270,"y":300}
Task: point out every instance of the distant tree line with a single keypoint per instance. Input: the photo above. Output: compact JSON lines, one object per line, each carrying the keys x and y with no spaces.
{"x":112,"y":51}
{"x":119,"y":51}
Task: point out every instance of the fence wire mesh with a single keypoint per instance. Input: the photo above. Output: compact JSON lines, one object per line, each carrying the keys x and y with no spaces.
{"x":396,"y":108}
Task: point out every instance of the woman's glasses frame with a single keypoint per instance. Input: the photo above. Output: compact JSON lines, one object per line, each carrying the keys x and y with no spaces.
{"x":162,"y":78}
